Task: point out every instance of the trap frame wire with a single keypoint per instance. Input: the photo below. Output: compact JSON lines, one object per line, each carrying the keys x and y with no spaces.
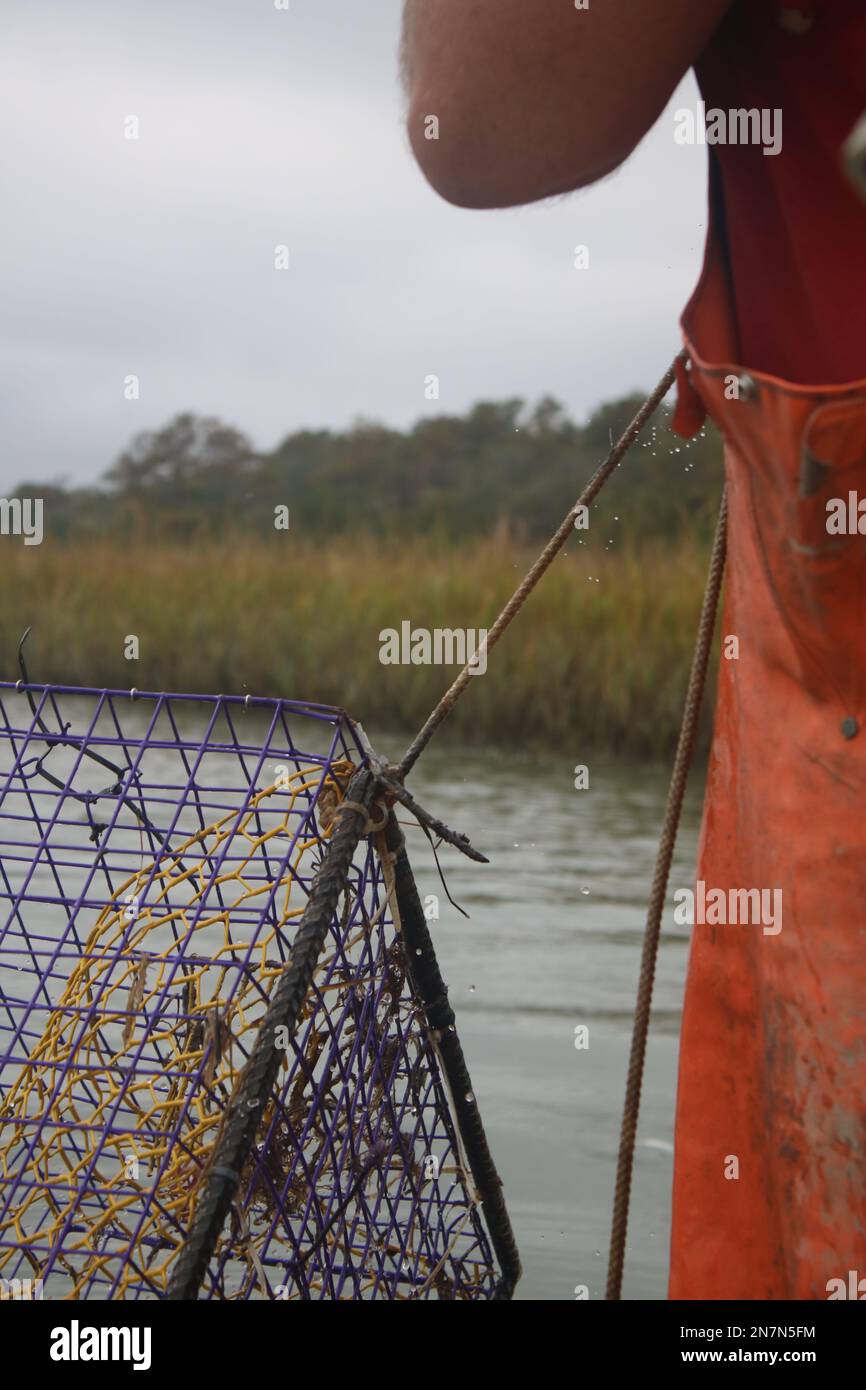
{"x":228,"y":1065}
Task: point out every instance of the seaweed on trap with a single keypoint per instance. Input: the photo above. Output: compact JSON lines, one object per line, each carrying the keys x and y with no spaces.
{"x":157,"y":855}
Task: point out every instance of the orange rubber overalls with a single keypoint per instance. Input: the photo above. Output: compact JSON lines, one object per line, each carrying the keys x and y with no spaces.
{"x":770,"y":1168}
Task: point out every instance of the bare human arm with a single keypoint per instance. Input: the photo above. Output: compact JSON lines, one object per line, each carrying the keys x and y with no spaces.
{"x":539,"y":97}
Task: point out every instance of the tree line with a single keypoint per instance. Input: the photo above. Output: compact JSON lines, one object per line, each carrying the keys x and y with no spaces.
{"x":448,"y":477}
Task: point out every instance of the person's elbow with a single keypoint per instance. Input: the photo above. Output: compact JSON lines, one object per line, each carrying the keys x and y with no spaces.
{"x":478,"y":161}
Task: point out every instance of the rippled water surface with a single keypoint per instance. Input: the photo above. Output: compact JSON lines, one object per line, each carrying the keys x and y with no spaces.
{"x":553,"y":941}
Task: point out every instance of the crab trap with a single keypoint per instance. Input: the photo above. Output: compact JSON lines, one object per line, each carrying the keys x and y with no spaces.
{"x":228,"y":1066}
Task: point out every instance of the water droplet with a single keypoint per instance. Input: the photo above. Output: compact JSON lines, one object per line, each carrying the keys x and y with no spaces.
{"x":471,"y":989}
{"x":470,"y":1098}
{"x":585,"y":892}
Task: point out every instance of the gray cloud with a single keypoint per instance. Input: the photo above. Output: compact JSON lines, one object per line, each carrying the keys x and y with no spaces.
{"x":261,"y":127}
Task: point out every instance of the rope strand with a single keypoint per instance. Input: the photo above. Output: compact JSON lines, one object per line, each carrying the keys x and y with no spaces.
{"x":676,"y":791}
{"x":541,"y":565}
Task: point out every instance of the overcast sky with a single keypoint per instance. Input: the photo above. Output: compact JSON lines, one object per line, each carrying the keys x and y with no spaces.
{"x":258,"y":128}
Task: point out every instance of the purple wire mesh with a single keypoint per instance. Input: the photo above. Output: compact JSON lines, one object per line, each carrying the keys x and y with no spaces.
{"x":156,"y":854}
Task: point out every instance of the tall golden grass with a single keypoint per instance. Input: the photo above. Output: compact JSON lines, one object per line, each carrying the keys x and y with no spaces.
{"x":598,"y":659}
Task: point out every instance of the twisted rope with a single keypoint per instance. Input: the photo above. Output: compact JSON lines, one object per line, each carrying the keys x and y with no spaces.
{"x":540,"y":567}
{"x":679,"y":776}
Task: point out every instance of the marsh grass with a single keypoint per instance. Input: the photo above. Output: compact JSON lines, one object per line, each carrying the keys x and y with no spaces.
{"x":588,"y":665}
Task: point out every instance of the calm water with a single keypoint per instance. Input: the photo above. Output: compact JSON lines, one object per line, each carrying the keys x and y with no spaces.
{"x":554,"y":941}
